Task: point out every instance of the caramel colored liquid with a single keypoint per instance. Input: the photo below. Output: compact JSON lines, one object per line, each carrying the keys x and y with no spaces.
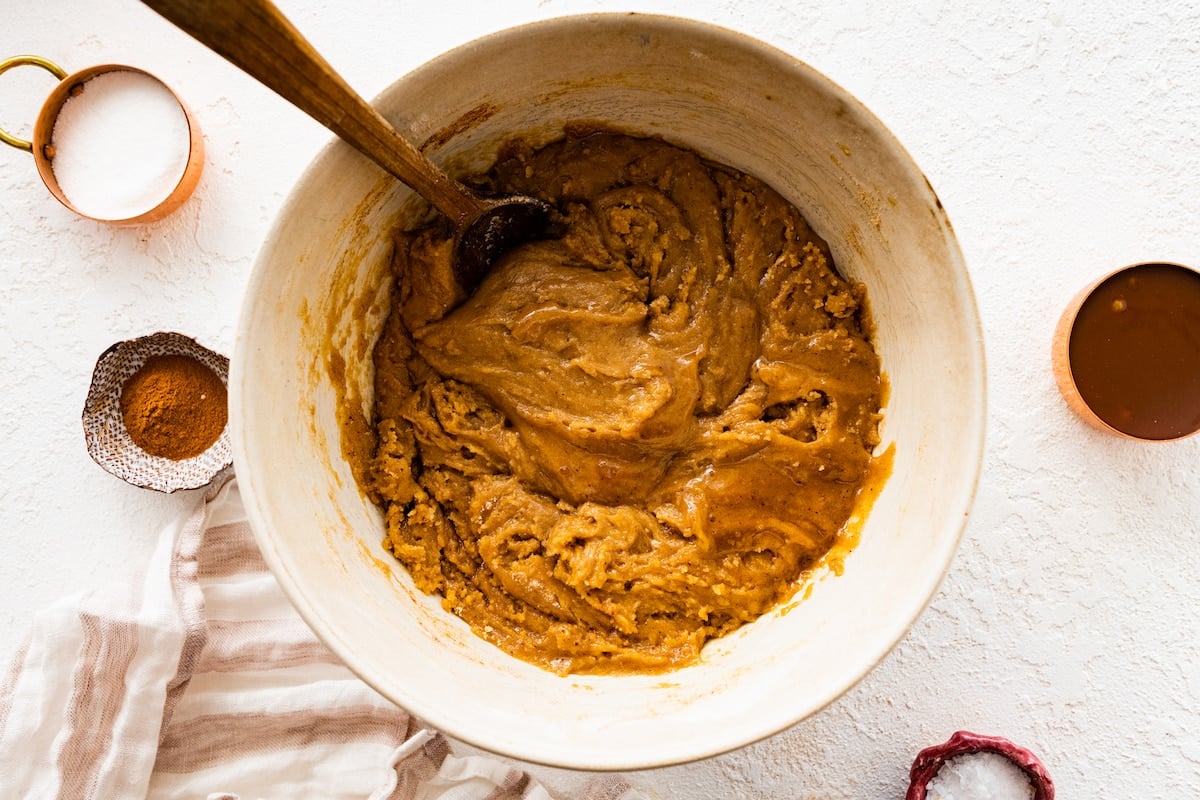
{"x":1135,"y":351}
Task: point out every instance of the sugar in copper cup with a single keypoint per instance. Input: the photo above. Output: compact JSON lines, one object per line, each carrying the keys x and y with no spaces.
{"x":1126,"y":352}
{"x":42,"y":145}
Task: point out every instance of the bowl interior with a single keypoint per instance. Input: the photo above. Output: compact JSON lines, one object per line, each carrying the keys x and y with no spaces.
{"x":319,"y":294}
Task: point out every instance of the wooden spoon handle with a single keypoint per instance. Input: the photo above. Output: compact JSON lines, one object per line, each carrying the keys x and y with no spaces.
{"x":255,"y":36}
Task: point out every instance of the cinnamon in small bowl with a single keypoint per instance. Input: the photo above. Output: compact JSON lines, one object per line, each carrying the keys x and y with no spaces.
{"x":157,"y":410}
{"x":1127,"y":352}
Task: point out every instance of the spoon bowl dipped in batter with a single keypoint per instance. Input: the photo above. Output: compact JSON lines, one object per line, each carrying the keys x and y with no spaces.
{"x":255,"y":36}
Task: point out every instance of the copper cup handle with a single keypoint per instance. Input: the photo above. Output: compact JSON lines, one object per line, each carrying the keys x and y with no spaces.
{"x":18,"y":61}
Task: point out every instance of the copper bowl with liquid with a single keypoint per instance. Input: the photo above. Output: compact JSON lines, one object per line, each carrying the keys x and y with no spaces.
{"x":1126,"y":352}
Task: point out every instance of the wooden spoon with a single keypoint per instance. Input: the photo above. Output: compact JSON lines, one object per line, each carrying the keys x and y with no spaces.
{"x":255,"y":36}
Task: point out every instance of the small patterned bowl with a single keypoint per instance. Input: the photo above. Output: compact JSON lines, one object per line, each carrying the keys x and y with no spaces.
{"x":109,"y":443}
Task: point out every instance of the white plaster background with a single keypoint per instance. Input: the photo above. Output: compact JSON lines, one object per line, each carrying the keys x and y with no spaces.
{"x":1063,"y":144}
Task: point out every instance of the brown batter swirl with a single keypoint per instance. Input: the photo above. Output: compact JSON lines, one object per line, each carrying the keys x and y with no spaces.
{"x":633,"y":438}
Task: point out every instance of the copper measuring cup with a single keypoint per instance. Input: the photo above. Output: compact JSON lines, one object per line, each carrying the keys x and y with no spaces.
{"x":1179,"y":390}
{"x":42,"y":147}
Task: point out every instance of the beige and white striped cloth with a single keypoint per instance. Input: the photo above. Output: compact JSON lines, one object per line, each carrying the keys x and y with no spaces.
{"x":200,"y":681}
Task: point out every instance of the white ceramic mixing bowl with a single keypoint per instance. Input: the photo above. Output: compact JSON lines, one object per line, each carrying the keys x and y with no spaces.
{"x":318,"y":297}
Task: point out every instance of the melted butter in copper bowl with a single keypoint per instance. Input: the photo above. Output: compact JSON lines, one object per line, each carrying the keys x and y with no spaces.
{"x":1127,"y":352}
{"x":320,"y":295}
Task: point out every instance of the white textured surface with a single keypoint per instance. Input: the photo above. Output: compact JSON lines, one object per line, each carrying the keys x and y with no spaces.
{"x":1063,"y":143}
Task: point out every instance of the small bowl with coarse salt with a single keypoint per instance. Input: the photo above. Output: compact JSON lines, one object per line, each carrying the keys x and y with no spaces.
{"x":157,"y":410}
{"x":972,"y":766}
{"x":113,"y":143}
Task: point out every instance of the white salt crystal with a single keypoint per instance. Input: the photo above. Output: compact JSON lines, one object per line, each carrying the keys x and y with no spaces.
{"x":120,"y":146}
{"x":979,"y":776}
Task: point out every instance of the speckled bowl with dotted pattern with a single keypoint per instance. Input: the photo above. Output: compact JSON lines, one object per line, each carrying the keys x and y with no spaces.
{"x":109,"y":443}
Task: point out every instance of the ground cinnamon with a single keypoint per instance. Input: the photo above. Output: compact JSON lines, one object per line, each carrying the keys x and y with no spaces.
{"x":174,"y":407}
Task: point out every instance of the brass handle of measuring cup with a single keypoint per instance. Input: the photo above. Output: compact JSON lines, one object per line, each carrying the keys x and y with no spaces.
{"x":18,"y":61}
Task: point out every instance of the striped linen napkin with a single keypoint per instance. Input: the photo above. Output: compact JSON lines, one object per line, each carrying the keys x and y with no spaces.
{"x":200,"y":681}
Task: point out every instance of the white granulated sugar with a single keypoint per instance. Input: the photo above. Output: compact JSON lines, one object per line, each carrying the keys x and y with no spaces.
{"x":979,"y":776}
{"x":120,"y":145}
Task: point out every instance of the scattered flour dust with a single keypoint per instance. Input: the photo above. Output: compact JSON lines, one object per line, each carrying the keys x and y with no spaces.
{"x":979,"y":776}
{"x":121,"y":145}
